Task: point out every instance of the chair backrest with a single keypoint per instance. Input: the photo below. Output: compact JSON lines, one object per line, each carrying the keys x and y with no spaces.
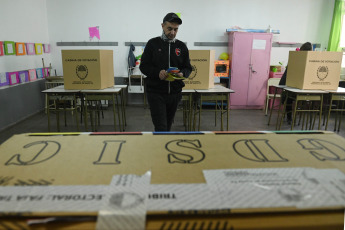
{"x":272,"y":82}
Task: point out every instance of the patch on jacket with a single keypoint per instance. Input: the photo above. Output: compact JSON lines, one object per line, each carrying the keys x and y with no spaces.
{"x":178,"y":51}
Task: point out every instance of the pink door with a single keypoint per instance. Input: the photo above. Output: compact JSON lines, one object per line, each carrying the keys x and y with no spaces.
{"x":240,"y":50}
{"x":250,"y":54}
{"x":259,"y":69}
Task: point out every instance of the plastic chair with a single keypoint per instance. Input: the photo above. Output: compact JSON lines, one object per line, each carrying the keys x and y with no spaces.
{"x":270,"y":96}
{"x":134,"y":74}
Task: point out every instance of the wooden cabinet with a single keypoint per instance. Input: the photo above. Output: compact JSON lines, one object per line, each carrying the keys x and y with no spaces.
{"x":250,"y":55}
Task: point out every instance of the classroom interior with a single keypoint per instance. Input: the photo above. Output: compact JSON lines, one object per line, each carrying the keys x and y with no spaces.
{"x":224,"y":30}
{"x":48,"y":28}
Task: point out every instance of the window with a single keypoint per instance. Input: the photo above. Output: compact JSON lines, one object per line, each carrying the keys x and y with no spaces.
{"x":342,"y":39}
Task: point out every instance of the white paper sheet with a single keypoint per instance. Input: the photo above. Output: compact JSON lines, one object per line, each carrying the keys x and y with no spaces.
{"x":259,"y":44}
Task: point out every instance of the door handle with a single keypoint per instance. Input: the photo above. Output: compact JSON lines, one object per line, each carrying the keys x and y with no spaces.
{"x":251,"y":68}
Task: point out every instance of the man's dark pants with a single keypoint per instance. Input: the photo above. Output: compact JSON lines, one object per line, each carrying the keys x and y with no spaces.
{"x":163,"y":108}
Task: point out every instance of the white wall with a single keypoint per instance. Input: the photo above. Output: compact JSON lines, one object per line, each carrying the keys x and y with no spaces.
{"x":23,"y":21}
{"x":138,"y":20}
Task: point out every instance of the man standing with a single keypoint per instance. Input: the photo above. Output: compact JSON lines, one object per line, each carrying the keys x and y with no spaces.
{"x":160,"y":54}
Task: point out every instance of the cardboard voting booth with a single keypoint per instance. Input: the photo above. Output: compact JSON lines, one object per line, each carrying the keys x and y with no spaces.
{"x":202,"y":62}
{"x":233,"y":180}
{"x":314,"y":70}
{"x":88,"y":69}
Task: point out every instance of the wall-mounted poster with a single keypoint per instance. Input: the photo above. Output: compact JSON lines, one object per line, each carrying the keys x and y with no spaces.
{"x":46,"y":48}
{"x":23,"y":76}
{"x":13,"y":77}
{"x":38,"y":48}
{"x":1,"y":49}
{"x":4,"y":79}
{"x":46,"y":72}
{"x":30,"y":48}
{"x":39,"y":73}
{"x":10,"y":48}
{"x":20,"y":48}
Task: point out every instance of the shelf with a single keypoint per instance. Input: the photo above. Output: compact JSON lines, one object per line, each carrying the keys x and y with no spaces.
{"x":87,"y":43}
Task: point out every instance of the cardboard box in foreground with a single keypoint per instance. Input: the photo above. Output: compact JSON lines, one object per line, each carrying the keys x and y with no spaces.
{"x":88,"y":69}
{"x":179,"y":161}
{"x":314,"y":70}
{"x":202,"y":76}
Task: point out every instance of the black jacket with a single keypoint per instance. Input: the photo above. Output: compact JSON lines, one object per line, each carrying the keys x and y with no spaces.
{"x":131,"y":58}
{"x":156,"y":58}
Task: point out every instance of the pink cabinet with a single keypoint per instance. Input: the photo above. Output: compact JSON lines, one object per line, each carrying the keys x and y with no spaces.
{"x":250,"y":55}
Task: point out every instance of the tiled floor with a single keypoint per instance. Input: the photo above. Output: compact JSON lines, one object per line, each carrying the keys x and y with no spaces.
{"x":138,"y":119}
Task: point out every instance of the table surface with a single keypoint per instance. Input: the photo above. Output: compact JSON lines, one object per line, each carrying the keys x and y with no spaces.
{"x":216,"y":89}
{"x":188,"y":90}
{"x":121,"y":86}
{"x":279,"y":86}
{"x":306,"y":91}
{"x":113,"y":89}
{"x":340,"y":90}
{"x":60,"y":89}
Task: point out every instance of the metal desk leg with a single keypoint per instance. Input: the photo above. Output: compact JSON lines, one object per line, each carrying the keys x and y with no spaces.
{"x":215,"y":113}
{"x":279,"y":124}
{"x":123,"y":110}
{"x":48,"y":111}
{"x":320,"y":112}
{"x":121,"y":127}
{"x":341,"y":114}
{"x":114,"y":111}
{"x":221,"y":114}
{"x":58,"y":116}
{"x":195,"y":111}
{"x":190,"y":111}
{"x":227,"y":112}
{"x":200,"y":110}
{"x":274,"y":98}
{"x":85,"y":114}
{"x":76,"y":112}
{"x":336,"y":117}
{"x":294,"y":115}
{"x":329,"y":111}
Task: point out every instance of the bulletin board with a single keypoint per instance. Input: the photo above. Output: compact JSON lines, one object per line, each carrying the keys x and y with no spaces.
{"x":10,"y":48}
{"x":38,"y":48}
{"x":20,"y":48}
{"x":30,"y":48}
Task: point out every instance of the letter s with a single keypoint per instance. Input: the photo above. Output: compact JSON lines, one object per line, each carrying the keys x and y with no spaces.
{"x":185,"y":151}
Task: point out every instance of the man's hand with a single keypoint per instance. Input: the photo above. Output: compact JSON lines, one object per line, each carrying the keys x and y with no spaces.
{"x":180,"y":74}
{"x":163,"y":74}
